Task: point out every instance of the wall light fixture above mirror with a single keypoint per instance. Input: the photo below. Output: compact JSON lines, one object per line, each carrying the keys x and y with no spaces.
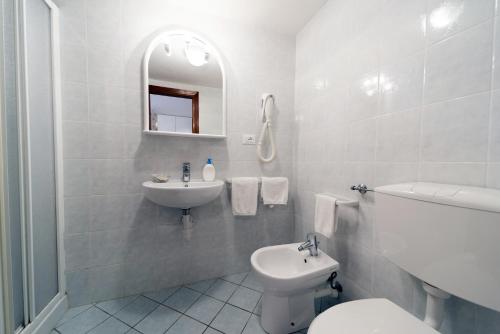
{"x":184,"y":87}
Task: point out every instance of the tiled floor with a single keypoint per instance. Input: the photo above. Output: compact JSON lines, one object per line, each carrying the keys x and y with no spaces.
{"x":229,"y":305}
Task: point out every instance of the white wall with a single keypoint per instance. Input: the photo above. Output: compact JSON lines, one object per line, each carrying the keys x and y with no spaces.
{"x":210,"y":103}
{"x":381,"y":99}
{"x":117,"y":243}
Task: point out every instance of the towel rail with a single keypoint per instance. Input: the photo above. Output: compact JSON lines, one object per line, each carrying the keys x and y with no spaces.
{"x":343,"y":201}
{"x":229,"y":180}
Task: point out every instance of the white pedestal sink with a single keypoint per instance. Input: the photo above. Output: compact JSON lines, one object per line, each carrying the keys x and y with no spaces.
{"x":175,"y":194}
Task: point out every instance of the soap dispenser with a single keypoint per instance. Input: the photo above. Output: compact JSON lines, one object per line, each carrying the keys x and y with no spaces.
{"x":209,"y":171}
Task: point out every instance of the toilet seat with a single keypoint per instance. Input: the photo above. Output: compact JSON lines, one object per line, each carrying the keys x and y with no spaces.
{"x":368,"y":316}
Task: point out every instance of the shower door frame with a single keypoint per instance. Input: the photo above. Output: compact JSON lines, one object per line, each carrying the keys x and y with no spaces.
{"x":53,"y":311}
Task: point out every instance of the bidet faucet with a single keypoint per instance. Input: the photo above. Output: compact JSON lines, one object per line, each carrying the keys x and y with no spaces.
{"x":311,"y":244}
{"x":186,"y":172}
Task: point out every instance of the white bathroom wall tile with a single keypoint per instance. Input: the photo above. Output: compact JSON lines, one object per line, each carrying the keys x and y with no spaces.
{"x":106,"y":212}
{"x":460,"y":317}
{"x":133,"y":229}
{"x":105,"y":66}
{"x":77,"y":251}
{"x":74,"y":101}
{"x":353,"y":291}
{"x":75,"y":145}
{"x":364,"y":96}
{"x":76,"y":177}
{"x":72,"y":30}
{"x":446,"y":18}
{"x":71,"y":9}
{"x":401,"y":84}
{"x":392,"y":173}
{"x":139,"y":245}
{"x":389,"y":281}
{"x":398,"y":137}
{"x":106,"y":104}
{"x":77,"y":283}
{"x":73,"y":62}
{"x":494,"y":145}
{"x":139,"y":145}
{"x":104,"y":23}
{"x":108,"y":247}
{"x":496,"y":63}
{"x":403,"y":28}
{"x":419,"y":298}
{"x":457,"y":65}
{"x":136,"y":171}
{"x":356,"y":263}
{"x":106,"y":141}
{"x":355,"y":225}
{"x":493,"y":180}
{"x":363,"y":51}
{"x":487,"y":320}
{"x":334,"y":140}
{"x":139,"y":281}
{"x":456,"y":130}
{"x":455,"y":173}
{"x":76,"y":215}
{"x":460,"y":65}
{"x":133,"y":107}
{"x":107,"y":282}
{"x":107,"y":176}
{"x":360,"y":145}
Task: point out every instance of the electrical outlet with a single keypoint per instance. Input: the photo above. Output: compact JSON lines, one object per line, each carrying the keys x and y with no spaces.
{"x":248,"y":140}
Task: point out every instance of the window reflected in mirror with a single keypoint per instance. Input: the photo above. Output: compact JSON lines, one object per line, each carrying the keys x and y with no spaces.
{"x":173,"y":110}
{"x":185,"y":86}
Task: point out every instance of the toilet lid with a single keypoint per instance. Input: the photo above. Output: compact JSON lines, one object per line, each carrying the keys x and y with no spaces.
{"x":368,"y":316}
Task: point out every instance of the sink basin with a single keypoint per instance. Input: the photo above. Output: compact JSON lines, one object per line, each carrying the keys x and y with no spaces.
{"x":283,"y":268}
{"x":175,"y":194}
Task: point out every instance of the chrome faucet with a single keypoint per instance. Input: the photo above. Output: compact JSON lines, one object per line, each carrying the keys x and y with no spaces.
{"x":311,"y":244}
{"x":186,"y":172}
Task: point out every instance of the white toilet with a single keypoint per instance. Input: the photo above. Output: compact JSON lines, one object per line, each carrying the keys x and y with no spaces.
{"x":447,"y":236}
{"x":368,"y":316}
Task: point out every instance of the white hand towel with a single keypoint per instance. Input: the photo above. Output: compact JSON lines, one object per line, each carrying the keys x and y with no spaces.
{"x":274,"y":190}
{"x":244,"y":196}
{"x":324,"y":215}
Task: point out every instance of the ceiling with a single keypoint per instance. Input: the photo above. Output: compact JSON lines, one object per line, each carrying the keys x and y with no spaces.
{"x":282,"y":16}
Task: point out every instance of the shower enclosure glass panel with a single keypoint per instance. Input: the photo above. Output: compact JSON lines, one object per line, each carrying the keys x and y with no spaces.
{"x":13,"y":209}
{"x":42,"y":179}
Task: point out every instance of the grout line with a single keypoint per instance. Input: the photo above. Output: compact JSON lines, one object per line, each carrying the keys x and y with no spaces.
{"x":423,"y":97}
{"x":99,"y":322}
{"x":491,"y":111}
{"x":158,"y":304}
{"x":89,"y":306}
{"x":484,"y":21}
{"x":146,"y":315}
{"x":97,"y":305}
{"x":130,"y":327}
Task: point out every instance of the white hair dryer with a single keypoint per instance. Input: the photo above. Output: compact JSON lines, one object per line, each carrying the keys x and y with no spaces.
{"x":266,"y":110}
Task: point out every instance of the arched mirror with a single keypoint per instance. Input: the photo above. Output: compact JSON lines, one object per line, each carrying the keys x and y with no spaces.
{"x":184,"y":87}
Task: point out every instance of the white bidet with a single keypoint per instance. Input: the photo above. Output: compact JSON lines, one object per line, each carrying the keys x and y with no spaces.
{"x":289,"y":278}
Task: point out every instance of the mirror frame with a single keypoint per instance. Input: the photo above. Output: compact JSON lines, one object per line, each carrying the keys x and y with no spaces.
{"x":157,"y":40}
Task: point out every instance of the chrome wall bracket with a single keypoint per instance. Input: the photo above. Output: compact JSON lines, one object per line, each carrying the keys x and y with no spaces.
{"x":362,"y":188}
